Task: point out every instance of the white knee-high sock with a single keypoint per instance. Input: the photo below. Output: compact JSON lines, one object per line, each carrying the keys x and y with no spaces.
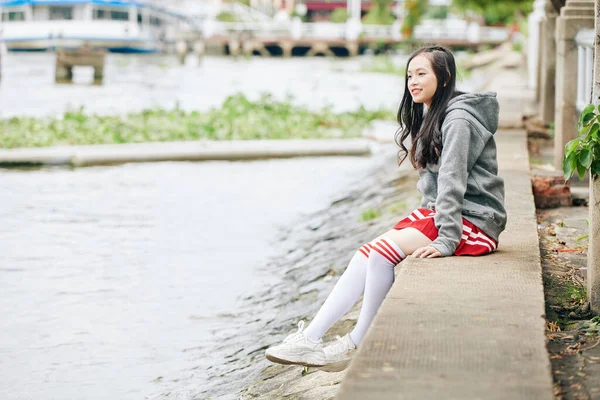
{"x":385,"y":254}
{"x":344,"y":295}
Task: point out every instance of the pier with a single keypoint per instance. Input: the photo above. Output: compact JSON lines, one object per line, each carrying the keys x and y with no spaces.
{"x":67,"y":59}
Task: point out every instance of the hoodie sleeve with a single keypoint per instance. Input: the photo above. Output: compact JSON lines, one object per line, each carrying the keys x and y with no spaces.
{"x":461,"y":143}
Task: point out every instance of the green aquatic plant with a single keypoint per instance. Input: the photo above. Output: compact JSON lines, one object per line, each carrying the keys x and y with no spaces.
{"x":398,"y":207}
{"x":238,"y":118}
{"x":370,"y":214}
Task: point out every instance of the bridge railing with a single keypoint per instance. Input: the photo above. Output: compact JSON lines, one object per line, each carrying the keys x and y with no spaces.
{"x":585,"y":66}
{"x":255,"y":29}
{"x":322,"y":30}
{"x":493,"y":34}
{"x":428,"y":30}
{"x":382,"y":31}
{"x":459,"y":30}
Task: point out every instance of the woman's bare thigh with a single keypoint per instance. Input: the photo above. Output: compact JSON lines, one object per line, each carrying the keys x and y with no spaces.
{"x":408,"y":239}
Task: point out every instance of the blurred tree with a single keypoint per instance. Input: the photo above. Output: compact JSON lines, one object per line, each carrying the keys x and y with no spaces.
{"x":496,"y":12}
{"x":436,"y":12}
{"x":339,"y":15}
{"x":226,"y":16}
{"x":414,"y":10}
{"x":380,"y":13}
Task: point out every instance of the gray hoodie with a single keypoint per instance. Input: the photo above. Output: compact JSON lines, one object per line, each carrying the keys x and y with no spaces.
{"x":465,"y":182}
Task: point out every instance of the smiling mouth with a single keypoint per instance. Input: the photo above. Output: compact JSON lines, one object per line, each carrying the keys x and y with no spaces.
{"x":415,"y":91}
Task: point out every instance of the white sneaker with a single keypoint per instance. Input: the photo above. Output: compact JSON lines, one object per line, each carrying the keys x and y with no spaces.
{"x":298,"y":349}
{"x":338,"y":354}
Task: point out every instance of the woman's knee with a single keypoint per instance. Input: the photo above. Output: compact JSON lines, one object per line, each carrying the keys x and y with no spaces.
{"x":407,"y":240}
{"x":384,"y":250}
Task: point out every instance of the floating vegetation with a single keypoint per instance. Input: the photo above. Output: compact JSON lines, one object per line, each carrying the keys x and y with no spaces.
{"x":237,"y":119}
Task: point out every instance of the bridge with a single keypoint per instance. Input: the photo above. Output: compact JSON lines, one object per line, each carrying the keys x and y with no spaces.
{"x":261,"y":35}
{"x":256,"y":33}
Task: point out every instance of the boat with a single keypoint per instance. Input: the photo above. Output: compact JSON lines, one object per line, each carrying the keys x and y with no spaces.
{"x":118,"y":26}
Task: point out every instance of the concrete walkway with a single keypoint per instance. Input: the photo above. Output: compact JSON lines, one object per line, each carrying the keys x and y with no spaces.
{"x":461,"y":327}
{"x":181,"y":151}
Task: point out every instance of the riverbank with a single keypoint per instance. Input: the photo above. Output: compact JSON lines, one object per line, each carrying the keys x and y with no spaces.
{"x":80,"y":156}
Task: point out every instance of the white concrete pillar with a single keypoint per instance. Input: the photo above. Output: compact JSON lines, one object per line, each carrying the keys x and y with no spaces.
{"x":574,"y":16}
{"x":533,"y":41}
{"x":548,"y":65}
{"x":396,"y":29}
{"x":296,"y":28}
{"x":354,"y":9}
{"x":593,"y":268}
{"x":353,"y":24}
{"x":474,"y":32}
{"x":353,"y":29}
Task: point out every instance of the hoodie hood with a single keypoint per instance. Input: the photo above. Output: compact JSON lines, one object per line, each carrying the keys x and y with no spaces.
{"x":482,"y":107}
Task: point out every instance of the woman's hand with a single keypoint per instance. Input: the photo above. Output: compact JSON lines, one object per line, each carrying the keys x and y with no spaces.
{"x":426,"y":252}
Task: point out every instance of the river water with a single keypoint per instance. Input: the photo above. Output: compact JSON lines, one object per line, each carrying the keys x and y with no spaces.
{"x":132,"y":83}
{"x":114,"y":279}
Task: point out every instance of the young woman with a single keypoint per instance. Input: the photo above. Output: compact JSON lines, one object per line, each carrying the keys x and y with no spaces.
{"x":454,"y":151}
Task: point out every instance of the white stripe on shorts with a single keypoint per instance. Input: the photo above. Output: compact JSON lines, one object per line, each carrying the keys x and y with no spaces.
{"x":418,"y":214}
{"x":477,"y":242}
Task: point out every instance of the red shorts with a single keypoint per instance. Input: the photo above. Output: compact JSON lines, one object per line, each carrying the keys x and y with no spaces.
{"x":474,"y":241}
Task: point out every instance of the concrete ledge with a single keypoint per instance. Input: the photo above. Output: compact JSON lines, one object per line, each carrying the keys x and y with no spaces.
{"x":181,"y":151}
{"x":465,"y":327}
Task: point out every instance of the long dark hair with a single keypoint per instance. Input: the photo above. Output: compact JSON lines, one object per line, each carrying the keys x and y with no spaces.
{"x":425,"y":131}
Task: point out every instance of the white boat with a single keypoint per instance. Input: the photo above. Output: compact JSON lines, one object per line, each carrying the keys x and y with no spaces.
{"x":115,"y":25}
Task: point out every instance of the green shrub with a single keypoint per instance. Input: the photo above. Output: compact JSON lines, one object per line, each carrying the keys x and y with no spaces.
{"x":436,"y":12}
{"x":583,"y":153}
{"x":226,"y":16}
{"x":339,"y":16}
{"x":378,"y":16}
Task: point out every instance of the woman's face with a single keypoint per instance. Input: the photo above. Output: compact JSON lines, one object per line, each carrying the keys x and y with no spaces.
{"x":421,"y":80}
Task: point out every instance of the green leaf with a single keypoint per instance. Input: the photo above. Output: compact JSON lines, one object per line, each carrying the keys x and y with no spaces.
{"x":586,"y":158}
{"x":595,"y":169}
{"x":583,"y":131}
{"x":569,"y":164}
{"x":593,"y":133}
{"x":581,"y":170}
{"x":572,"y":145}
{"x":587,"y":115}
